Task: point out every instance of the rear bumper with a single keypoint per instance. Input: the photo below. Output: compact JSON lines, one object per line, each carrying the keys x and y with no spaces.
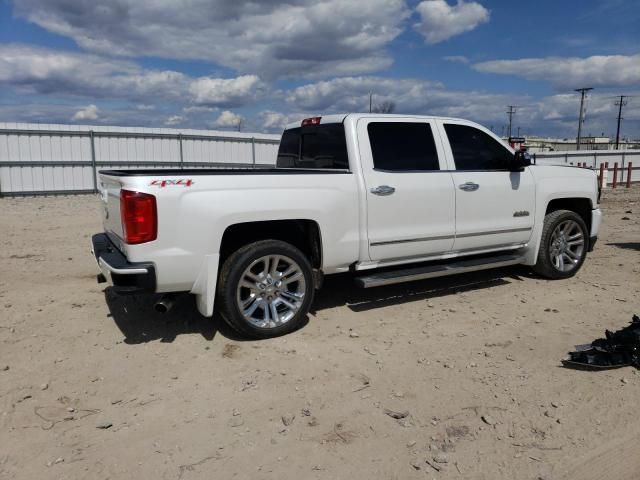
{"x":126,"y":277}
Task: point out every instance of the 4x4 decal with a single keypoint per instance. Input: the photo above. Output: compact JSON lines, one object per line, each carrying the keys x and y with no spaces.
{"x":185,"y":182}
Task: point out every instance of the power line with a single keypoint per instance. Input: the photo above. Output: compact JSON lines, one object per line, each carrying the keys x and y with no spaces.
{"x":620,"y":103}
{"x":511,"y":112}
{"x":582,"y":91}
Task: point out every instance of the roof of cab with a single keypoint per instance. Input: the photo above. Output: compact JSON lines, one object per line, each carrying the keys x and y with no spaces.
{"x":340,"y":117}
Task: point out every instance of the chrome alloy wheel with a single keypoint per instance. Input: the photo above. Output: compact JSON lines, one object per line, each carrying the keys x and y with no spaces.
{"x":566,"y":246}
{"x":271,"y":291}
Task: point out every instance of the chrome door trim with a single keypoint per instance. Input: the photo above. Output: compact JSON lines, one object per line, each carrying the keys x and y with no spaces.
{"x":495,"y":232}
{"x":411,"y":240}
{"x":446,"y":237}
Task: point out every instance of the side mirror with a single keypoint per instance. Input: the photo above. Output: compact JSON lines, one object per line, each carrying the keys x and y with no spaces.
{"x":521,"y":159}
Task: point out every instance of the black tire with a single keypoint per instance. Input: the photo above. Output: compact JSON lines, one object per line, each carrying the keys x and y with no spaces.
{"x":545,"y":266}
{"x":231,"y":275}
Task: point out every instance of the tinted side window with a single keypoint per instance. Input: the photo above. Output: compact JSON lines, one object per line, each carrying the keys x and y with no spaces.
{"x":401,"y":147}
{"x":475,"y":150}
{"x":314,"y":146}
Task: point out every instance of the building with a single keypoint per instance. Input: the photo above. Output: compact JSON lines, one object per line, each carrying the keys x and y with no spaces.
{"x":536,"y":144}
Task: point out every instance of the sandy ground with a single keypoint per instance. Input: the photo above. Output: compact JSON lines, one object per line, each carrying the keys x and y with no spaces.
{"x":473,"y":361}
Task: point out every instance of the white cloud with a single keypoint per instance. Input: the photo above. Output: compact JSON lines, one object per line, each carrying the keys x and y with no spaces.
{"x":54,"y":72}
{"x":440,"y":21}
{"x":571,"y":72}
{"x":174,"y":120}
{"x":225,"y":91}
{"x":90,"y":112}
{"x":271,"y":38}
{"x":457,"y":59}
{"x":228,"y":119}
{"x":45,"y":70}
{"x":554,"y":115}
{"x":275,"y":121}
{"x":198,"y":109}
{"x":351,"y":94}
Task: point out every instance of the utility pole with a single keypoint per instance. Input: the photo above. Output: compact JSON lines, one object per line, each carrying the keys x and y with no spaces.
{"x":511,"y":112}
{"x":370,"y":101}
{"x":518,"y":131}
{"x":621,"y":103}
{"x":582,"y":91}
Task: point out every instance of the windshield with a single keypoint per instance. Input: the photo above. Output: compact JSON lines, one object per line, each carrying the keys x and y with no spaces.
{"x":314,"y":146}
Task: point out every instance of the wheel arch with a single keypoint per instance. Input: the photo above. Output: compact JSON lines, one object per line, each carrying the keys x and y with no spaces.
{"x":303,"y":234}
{"x":580,"y":205}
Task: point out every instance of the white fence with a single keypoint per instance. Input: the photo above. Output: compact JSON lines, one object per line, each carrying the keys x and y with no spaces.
{"x":40,"y":159}
{"x":594,"y":158}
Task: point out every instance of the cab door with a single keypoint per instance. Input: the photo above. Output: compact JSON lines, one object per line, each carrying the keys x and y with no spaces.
{"x":495,"y":207}
{"x":409,"y":192}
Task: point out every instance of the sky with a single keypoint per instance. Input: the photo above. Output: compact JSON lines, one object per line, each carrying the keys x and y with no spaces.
{"x":258,"y":65}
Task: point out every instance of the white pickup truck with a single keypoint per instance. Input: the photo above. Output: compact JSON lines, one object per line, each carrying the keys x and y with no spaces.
{"x":389,"y":198}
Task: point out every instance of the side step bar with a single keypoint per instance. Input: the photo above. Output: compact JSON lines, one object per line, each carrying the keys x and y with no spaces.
{"x":433,"y":271}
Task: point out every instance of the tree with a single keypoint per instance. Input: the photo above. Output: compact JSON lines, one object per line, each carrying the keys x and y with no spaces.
{"x":385,"y":107}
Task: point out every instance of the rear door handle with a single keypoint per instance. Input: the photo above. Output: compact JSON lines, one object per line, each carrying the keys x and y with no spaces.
{"x":383,"y":190}
{"x":469,"y":187}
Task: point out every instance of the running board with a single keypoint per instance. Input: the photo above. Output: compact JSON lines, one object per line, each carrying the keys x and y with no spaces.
{"x":433,"y":271}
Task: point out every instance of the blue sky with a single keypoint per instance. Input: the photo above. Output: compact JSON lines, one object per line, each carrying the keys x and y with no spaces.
{"x":217,"y":64}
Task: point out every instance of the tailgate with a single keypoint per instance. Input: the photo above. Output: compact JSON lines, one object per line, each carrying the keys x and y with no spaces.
{"x":110,"y":195}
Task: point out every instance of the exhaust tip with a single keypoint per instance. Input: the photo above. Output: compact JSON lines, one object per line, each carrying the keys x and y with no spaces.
{"x":164,"y":304}
{"x":160,"y":308}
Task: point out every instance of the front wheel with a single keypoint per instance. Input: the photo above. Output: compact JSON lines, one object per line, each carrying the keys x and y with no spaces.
{"x":266,"y":289}
{"x":563,"y":245}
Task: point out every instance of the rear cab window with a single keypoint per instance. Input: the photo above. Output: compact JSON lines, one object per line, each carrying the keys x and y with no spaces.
{"x":403,"y":147}
{"x":314,"y":147}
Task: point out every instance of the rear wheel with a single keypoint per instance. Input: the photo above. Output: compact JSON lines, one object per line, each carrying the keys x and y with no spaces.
{"x":563,"y":245}
{"x":266,"y":289}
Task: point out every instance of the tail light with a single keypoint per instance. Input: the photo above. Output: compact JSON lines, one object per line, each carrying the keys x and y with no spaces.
{"x":139,"y":217}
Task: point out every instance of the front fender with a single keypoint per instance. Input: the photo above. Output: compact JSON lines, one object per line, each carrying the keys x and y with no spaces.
{"x":556,"y":183}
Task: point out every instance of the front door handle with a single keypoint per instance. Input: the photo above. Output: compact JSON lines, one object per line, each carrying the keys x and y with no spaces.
{"x":383,"y":190}
{"x":469,"y":187}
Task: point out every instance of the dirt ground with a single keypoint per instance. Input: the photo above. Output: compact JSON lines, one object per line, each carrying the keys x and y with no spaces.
{"x":97,"y":386}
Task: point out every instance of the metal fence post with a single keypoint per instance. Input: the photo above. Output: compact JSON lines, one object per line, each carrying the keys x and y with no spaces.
{"x":93,"y":163}
{"x":253,"y":151}
{"x":181,"y":157}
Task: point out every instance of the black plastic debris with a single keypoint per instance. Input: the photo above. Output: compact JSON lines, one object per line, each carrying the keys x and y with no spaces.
{"x":617,"y":349}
